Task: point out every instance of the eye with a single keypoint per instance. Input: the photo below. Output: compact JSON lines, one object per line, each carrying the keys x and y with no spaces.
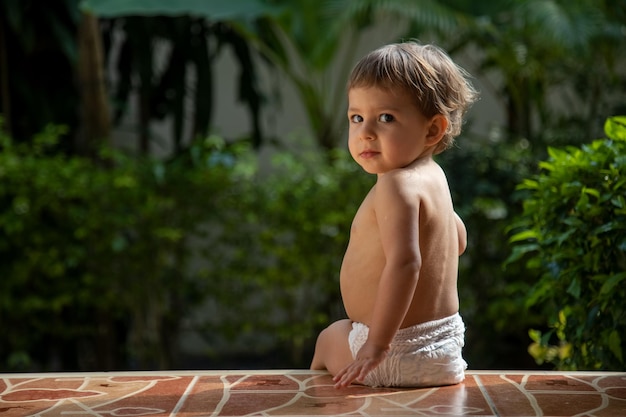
{"x":385,"y":118}
{"x":355,"y":118}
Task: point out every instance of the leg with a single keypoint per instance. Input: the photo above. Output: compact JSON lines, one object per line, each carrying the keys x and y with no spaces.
{"x":332,"y":351}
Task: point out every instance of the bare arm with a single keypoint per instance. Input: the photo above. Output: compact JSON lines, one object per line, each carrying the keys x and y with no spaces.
{"x":397,"y":214}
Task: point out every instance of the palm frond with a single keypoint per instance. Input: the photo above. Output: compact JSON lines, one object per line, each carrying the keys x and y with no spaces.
{"x":428,"y":15}
{"x":571,"y":24}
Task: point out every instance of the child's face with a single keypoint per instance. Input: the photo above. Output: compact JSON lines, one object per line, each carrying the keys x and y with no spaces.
{"x":387,"y":130}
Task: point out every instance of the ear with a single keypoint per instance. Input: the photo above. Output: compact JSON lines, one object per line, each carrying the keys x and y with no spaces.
{"x":438,"y":125}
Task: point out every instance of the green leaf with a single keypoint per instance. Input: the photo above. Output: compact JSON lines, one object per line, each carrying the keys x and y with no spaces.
{"x":525,"y":235}
{"x":574,"y":288}
{"x":565,"y":236}
{"x":615,"y":128}
{"x":538,"y":293}
{"x":557,"y":154}
{"x":547,"y":165}
{"x":615,"y":345}
{"x":528,"y":184}
{"x":610,"y":283}
{"x":535,"y":335}
{"x":520,"y":251}
{"x":591,"y":191}
{"x":608,"y":227}
{"x":619,"y":201}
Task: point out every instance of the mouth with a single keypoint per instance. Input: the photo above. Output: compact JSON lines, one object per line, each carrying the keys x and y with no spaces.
{"x":367,"y":154}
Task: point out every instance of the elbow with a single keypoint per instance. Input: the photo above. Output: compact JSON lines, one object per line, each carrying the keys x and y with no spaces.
{"x":406,"y":265}
{"x":409,"y":268}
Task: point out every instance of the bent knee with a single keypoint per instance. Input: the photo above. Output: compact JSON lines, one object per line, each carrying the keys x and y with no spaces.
{"x":336,"y":333}
{"x":339,"y":328}
{"x":333,"y":334}
{"x":332,"y":351}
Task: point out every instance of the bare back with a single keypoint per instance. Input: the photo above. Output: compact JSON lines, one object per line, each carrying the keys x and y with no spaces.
{"x":441,"y":236}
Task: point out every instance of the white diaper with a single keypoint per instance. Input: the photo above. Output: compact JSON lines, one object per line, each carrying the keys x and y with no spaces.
{"x":427,"y":354}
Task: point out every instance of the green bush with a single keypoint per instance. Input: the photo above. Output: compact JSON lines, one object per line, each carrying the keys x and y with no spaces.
{"x":105,"y":263}
{"x":108,"y":262}
{"x":94,"y":255}
{"x":279,"y":245}
{"x":573,"y":233}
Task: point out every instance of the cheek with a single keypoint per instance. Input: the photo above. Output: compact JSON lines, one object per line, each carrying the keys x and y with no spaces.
{"x":351,"y":146}
{"x":351,"y":130}
{"x":352,"y":138}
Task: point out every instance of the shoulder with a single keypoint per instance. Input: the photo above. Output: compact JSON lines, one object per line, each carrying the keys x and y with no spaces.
{"x":419,"y":184}
{"x":413,"y":180}
{"x":400,"y":186}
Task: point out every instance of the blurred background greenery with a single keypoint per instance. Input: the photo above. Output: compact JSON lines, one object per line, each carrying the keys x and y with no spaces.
{"x":223,"y":251}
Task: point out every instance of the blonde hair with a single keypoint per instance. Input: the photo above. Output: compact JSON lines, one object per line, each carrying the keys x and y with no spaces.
{"x":438,"y":85}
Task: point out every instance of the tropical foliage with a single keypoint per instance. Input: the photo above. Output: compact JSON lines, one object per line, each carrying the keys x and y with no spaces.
{"x":104,"y":264}
{"x":274,"y":259}
{"x":542,"y":51}
{"x":573,"y":232}
{"x":314,"y":44}
{"x":264,"y":237}
{"x":94,"y":255}
{"x":30,"y":42}
{"x":188,"y":37}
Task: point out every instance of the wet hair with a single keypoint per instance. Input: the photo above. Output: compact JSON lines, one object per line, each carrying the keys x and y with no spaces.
{"x":438,"y":85}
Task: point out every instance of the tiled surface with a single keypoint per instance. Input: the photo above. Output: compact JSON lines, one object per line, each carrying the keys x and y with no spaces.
{"x":305,"y":393}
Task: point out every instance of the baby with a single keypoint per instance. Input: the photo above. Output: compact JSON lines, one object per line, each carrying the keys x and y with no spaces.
{"x":398,"y":279}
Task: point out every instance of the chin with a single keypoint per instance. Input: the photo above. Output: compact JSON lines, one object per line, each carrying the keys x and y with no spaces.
{"x":371,"y":170}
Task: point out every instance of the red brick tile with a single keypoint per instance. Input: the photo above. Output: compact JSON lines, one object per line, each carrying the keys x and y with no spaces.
{"x":306,"y":393}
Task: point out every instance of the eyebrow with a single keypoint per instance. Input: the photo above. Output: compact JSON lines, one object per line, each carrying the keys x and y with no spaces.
{"x":380,"y":109}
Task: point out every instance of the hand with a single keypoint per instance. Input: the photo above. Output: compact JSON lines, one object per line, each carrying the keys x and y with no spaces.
{"x":368,"y":358}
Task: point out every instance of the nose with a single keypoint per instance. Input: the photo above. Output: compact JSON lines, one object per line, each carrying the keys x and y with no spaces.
{"x":367,"y":131}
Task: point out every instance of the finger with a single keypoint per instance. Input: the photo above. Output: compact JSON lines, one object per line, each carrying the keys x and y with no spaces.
{"x":364,"y":372}
{"x":353,"y":373}
{"x":343,"y":382}
{"x":346,"y":370}
{"x":340,"y":379}
{"x":340,"y":374}
{"x":347,"y":378}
